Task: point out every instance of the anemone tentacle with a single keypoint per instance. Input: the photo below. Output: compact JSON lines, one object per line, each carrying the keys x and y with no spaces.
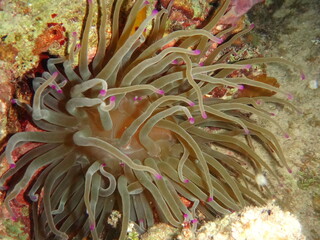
{"x":132,"y":133}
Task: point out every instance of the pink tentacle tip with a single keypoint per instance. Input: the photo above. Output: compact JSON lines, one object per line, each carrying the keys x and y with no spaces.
{"x":246,"y":131}
{"x":220,"y":40}
{"x":90,"y":1}
{"x":196,"y":52}
{"x":146,"y":2}
{"x":289,"y":170}
{"x":273,"y":114}
{"x":59,"y":91}
{"x":121,"y":164}
{"x":191,"y":120}
{"x":13,"y":101}
{"x":290,"y":96}
{"x":251,"y":26}
{"x":201,"y":64}
{"x":194,"y":220}
{"x":14,"y":218}
{"x":210,"y":199}
{"x":78,"y":45}
{"x":103,"y":165}
{"x":102,"y":92}
{"x":33,"y":198}
{"x":92,"y":227}
{"x":55,"y":74}
{"x":112,"y":98}
{"x":185,"y":215}
{"x":137,"y":98}
{"x":191,"y":104}
{"x":186,"y":181}
{"x":154,"y":12}
{"x":302,"y":76}
{"x":12,"y":165}
{"x":204,"y":115}
{"x":247,"y":66}
{"x":286,"y":135}
{"x":158,"y":176}
{"x":74,"y":34}
{"x":4,"y":188}
{"x":240,"y":87}
{"x":175,"y":61}
{"x":160,"y":91}
{"x":53,"y":86}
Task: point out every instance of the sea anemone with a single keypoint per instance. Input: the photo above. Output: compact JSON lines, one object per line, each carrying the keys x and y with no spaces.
{"x":132,"y":131}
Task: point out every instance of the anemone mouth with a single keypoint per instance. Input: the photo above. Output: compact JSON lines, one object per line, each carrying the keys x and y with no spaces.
{"x":131,"y":131}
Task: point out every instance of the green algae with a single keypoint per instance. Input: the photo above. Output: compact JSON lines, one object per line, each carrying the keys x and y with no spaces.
{"x":14,"y":230}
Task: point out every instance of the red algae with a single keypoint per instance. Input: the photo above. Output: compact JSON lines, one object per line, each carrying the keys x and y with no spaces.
{"x":250,"y":91}
{"x":8,"y":52}
{"x":54,"y":34}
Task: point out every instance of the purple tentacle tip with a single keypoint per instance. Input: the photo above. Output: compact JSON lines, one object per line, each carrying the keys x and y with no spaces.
{"x":247,"y":131}
{"x":112,"y":98}
{"x":302,"y":76}
{"x":13,"y":101}
{"x":210,"y":199}
{"x":14,"y":218}
{"x":247,"y":66}
{"x":146,"y":2}
{"x":196,"y":52}
{"x":191,"y":104}
{"x":33,"y":198}
{"x":158,"y":176}
{"x":220,"y":40}
{"x":78,"y":45}
{"x":191,"y":120}
{"x":154,"y":12}
{"x":204,"y":115}
{"x":4,"y":188}
{"x":160,"y":91}
{"x":186,"y":181}
{"x":55,"y":74}
{"x":102,"y":92}
{"x":92,"y":227}
{"x":251,"y":26}
{"x":290,"y":96}
{"x":12,"y":165}
{"x":90,"y":1}
{"x":240,"y":87}
{"x":201,"y":64}
{"x":286,"y":135}
{"x":103,"y":165}
{"x":194,"y":220}
{"x":59,"y":91}
{"x":137,"y":98}
{"x":74,"y":34}
{"x":289,"y":170}
{"x":53,"y":86}
{"x":185,"y":215}
{"x":122,"y":164}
